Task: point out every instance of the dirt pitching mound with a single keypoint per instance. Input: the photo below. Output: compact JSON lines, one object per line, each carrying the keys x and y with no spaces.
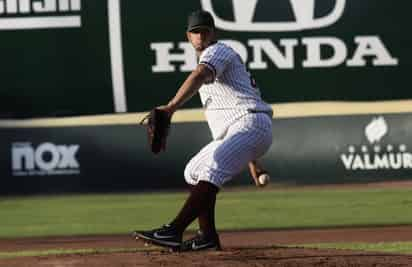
{"x":249,"y":248}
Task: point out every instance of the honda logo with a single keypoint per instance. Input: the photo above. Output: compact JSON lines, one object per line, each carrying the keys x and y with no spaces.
{"x":304,"y":11}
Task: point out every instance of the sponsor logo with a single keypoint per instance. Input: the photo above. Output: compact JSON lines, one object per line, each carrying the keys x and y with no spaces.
{"x":45,"y":159}
{"x":208,"y":102}
{"x":370,"y":50}
{"x":376,"y":155}
{"x":194,"y":177}
{"x":197,"y":247}
{"x":244,"y":12}
{"x":159,"y":236}
{"x":260,"y":54}
{"x":39,"y":14}
{"x":376,"y":130}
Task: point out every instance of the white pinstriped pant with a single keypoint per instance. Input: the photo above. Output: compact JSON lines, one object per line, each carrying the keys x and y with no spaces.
{"x":247,"y":139}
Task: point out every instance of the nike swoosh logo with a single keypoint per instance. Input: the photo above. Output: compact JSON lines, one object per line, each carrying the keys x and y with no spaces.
{"x":196,"y":247}
{"x":156,"y":235}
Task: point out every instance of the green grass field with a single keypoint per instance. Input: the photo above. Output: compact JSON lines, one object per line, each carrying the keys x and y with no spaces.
{"x":248,"y":209}
{"x":252,"y":209}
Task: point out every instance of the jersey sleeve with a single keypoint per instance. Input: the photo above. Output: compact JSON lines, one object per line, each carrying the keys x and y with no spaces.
{"x":216,"y":58}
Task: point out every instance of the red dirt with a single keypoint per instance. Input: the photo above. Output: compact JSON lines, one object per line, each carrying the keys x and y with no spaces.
{"x":250,"y":248}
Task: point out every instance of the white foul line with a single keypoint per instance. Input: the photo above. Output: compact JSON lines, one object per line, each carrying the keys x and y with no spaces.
{"x":116,"y":55}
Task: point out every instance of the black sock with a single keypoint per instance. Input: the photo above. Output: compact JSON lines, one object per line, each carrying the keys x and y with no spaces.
{"x":207,"y":221}
{"x":200,"y":200}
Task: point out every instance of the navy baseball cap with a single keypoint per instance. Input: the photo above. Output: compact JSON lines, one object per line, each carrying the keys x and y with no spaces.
{"x":200,"y":19}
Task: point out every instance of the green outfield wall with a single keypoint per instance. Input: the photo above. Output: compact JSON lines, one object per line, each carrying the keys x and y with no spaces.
{"x":54,"y":156}
{"x":99,"y":65}
{"x":77,"y":57}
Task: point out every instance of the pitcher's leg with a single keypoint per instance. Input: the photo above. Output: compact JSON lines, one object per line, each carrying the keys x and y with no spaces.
{"x":206,"y":219}
{"x":202,"y":199}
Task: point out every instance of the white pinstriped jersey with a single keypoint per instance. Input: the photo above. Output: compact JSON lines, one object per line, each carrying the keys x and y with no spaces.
{"x":233,"y":92}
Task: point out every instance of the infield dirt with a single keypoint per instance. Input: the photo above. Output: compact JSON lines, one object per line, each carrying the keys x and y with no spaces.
{"x":248,"y":248}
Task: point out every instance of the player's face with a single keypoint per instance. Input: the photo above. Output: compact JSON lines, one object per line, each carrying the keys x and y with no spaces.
{"x":201,"y":38}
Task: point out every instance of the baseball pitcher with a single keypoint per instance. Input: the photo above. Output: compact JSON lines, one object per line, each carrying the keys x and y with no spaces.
{"x":241,"y":126}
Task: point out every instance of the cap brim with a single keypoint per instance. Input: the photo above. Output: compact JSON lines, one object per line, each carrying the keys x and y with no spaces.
{"x":199,"y":27}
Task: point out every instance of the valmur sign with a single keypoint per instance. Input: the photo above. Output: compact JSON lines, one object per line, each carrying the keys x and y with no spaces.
{"x":377,"y":155}
{"x":370,"y":49}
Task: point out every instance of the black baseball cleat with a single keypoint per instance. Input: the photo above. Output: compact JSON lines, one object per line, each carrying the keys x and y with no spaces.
{"x":166,"y":236}
{"x":200,"y":242}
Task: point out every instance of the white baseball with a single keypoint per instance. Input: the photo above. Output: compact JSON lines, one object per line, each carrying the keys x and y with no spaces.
{"x":264,"y":179}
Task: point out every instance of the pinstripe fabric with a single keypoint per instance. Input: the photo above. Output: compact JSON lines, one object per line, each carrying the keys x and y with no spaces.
{"x":246,"y":139}
{"x":232,"y":94}
{"x":240,"y":121}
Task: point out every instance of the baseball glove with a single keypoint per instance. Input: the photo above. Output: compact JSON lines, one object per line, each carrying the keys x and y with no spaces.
{"x":157,"y":127}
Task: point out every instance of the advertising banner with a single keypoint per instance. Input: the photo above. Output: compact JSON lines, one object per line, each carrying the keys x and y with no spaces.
{"x":341,"y":149}
{"x":107,"y":158}
{"x":55,"y":58}
{"x":77,"y":57}
{"x":297,"y":50}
